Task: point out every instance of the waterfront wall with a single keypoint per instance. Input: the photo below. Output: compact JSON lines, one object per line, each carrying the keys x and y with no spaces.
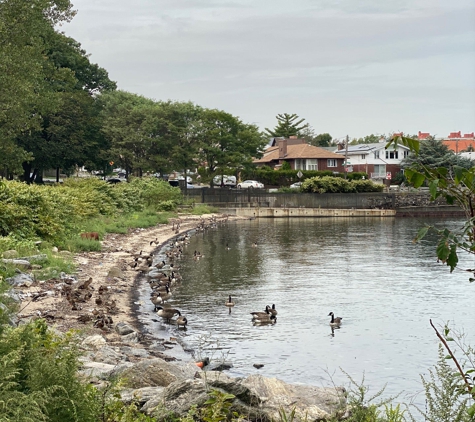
{"x":403,"y":203}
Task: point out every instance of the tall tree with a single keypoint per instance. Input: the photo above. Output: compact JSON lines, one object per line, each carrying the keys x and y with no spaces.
{"x":287,"y":125}
{"x":69,"y":135}
{"x":225,"y":141}
{"x":24,"y":91}
{"x":433,"y":153}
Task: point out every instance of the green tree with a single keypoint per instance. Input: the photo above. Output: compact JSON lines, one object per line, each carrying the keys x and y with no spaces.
{"x":287,"y":125}
{"x":128,"y":126}
{"x":454,"y":183}
{"x":323,"y":140}
{"x":24,"y":90}
{"x":433,"y":153}
{"x":225,"y":141}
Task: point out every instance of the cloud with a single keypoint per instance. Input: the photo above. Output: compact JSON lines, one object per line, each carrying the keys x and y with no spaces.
{"x":256,"y":59}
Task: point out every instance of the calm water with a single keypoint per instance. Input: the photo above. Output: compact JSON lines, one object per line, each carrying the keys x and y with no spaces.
{"x":365,"y":270}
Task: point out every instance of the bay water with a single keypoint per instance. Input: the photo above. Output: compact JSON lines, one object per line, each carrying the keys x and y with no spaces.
{"x":366,"y":270}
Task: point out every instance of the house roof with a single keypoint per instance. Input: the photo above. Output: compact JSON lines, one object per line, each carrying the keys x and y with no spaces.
{"x":295,"y":152}
{"x":365,"y":148}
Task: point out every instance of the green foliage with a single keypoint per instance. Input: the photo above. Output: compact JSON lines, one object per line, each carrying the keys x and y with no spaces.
{"x":446,"y":399}
{"x":456,"y":184}
{"x":363,"y":407}
{"x":39,"y":377}
{"x":218,"y":407}
{"x":285,"y":166}
{"x":167,"y":206}
{"x":329,"y":184}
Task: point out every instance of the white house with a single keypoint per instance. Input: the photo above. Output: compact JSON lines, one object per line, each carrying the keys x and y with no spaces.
{"x":374,"y":159}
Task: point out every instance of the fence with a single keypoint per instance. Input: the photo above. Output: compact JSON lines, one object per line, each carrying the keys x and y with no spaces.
{"x":255,"y":197}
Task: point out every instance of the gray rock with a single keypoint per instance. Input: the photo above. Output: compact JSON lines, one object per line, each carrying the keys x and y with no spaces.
{"x":140,"y":395}
{"x":33,"y":258}
{"x":96,"y":342}
{"x":131,"y":338}
{"x":157,"y":372}
{"x":108,"y":355}
{"x":123,"y":328}
{"x":10,"y":254}
{"x":218,"y":366}
{"x":21,"y":280}
{"x":101,"y":370}
{"x":177,"y":398}
{"x":135,"y":352}
{"x":115,"y":272}
{"x":255,"y":396}
{"x":17,"y":263}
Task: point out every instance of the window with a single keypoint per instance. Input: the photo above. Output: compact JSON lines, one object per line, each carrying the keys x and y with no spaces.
{"x":312,"y":164}
{"x":406,"y":154}
{"x":331,"y":162}
{"x":363,"y":156}
{"x":391,"y":154}
{"x":376,"y":154}
{"x":299,"y":164}
{"x":379,"y":170}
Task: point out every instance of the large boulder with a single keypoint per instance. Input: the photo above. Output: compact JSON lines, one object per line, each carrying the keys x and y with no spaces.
{"x":258,"y":398}
{"x":157,"y":372}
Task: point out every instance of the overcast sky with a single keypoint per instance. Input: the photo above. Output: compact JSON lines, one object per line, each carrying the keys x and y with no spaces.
{"x":347,"y":66}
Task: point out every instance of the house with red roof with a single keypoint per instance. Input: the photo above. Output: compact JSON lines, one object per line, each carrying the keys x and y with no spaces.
{"x":300,"y":156}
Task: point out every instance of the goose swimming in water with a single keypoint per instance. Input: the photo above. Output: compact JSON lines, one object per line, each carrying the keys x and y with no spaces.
{"x":230,"y":302}
{"x":335,"y":321}
{"x":262,"y":315}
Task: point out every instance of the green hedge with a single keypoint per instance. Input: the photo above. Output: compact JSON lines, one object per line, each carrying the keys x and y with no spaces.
{"x":271,"y":177}
{"x":328,"y":184}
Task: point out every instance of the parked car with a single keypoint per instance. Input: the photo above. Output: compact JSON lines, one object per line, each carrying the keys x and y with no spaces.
{"x":250,"y":184}
{"x":228,"y":181}
{"x":296,"y":185}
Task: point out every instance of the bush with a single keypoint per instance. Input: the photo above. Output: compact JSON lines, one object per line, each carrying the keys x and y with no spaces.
{"x":338,"y":185}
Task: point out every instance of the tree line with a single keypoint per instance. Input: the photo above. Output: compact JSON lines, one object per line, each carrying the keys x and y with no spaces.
{"x":58,"y":110}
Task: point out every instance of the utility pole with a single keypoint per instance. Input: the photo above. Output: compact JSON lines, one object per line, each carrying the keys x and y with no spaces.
{"x":346,"y":157}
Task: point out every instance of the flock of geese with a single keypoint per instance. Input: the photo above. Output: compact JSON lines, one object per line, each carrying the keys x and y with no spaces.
{"x":163,"y":277}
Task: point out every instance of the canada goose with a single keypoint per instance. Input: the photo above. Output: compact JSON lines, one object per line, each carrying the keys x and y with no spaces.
{"x":166,"y":313}
{"x":160,"y":265}
{"x":181,"y":321}
{"x":154,"y":241}
{"x":227,"y":247}
{"x":335,"y":321}
{"x":261,"y":315}
{"x":264,"y":321}
{"x":254,"y":245}
{"x":230,"y":302}
{"x":160,"y":288}
{"x":272,"y":310}
{"x":167,"y":294}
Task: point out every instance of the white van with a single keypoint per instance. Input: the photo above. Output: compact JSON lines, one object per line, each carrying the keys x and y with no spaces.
{"x":228,"y":181}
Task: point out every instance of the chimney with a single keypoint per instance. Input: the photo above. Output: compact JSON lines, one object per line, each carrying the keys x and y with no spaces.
{"x":282,"y":148}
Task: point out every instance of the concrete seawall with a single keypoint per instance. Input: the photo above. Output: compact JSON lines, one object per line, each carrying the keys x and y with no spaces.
{"x":257,"y":212}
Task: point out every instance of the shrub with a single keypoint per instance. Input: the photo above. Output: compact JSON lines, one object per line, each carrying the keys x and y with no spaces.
{"x":338,"y":185}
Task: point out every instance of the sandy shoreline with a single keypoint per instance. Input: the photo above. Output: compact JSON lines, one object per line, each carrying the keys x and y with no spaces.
{"x":111,"y":271}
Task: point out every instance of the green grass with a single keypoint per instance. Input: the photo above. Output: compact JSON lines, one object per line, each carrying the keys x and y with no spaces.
{"x":204,"y":209}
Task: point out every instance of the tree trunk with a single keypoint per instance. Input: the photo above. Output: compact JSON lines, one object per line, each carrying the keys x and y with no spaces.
{"x":57,"y":174}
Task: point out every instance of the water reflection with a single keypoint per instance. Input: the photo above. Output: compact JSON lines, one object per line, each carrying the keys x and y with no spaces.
{"x":368,"y":270}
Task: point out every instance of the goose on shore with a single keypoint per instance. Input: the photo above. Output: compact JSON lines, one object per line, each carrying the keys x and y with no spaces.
{"x":166,"y":313}
{"x":181,"y":321}
{"x":335,"y":320}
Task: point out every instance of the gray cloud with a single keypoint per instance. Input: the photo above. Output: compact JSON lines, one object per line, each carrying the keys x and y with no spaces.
{"x":346,"y":66}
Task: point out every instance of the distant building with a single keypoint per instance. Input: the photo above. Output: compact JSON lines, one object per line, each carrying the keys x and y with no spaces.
{"x":458,"y":142}
{"x":375,"y":159}
{"x":423,"y":135}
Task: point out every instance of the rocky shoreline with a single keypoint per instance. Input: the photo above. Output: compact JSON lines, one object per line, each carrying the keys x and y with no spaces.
{"x":102,"y":304}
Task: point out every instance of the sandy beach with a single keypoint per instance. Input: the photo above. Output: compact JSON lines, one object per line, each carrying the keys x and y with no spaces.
{"x":104,"y":285}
